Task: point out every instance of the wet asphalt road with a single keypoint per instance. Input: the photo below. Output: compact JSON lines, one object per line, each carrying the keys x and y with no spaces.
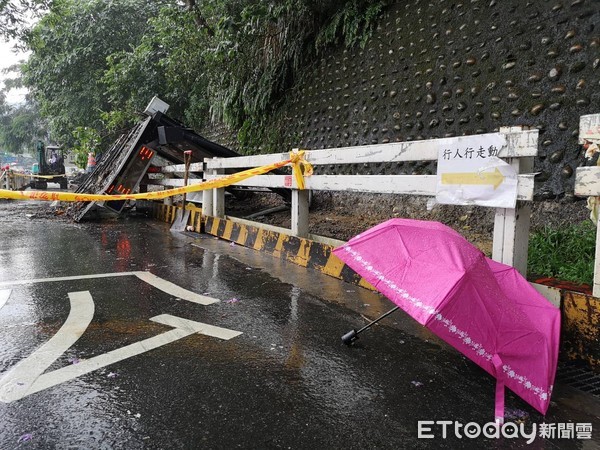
{"x":285,"y":382}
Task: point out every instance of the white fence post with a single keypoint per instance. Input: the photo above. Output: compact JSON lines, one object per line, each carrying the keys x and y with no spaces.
{"x":218,"y":197}
{"x":300,"y":212}
{"x":511,"y":236}
{"x":207,"y":195}
{"x":207,"y":202}
{"x":596,"y":285}
{"x":511,"y":226}
{"x":587,"y":182}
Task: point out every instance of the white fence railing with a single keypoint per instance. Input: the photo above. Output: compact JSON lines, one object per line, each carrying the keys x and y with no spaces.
{"x":587,"y":179}
{"x":11,"y":181}
{"x":511,"y":226}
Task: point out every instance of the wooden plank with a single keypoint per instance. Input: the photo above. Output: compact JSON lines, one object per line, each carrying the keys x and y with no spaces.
{"x":244,"y":162}
{"x":589,"y":128}
{"x":260,"y":181}
{"x":180,"y":168}
{"x":519,"y":144}
{"x":587,"y":181}
{"x":385,"y":184}
{"x":173,"y":182}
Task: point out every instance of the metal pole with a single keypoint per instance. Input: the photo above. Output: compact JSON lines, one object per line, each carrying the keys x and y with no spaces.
{"x":377,"y":320}
{"x":187,"y":158}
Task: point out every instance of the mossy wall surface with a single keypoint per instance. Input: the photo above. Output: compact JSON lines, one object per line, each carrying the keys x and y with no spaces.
{"x":443,"y":68}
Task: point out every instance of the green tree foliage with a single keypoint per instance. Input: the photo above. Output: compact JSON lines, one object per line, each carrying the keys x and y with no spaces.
{"x":70,"y":46}
{"x":164,"y":62}
{"x":97,"y":63}
{"x":87,"y":140}
{"x":20,"y":127}
{"x":235,"y":60}
{"x":15,"y":15}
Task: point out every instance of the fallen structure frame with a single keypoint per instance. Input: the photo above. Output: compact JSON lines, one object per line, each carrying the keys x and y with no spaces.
{"x":121,"y":168}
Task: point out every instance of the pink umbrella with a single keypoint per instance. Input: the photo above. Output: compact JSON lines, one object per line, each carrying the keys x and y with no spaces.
{"x":483,"y":308}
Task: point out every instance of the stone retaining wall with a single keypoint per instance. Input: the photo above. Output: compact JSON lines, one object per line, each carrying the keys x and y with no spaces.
{"x":446,"y":68}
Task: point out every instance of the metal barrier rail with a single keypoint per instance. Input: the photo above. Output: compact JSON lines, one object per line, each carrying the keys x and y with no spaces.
{"x":12,"y":181}
{"x":511,"y":226}
{"x":172,"y":178}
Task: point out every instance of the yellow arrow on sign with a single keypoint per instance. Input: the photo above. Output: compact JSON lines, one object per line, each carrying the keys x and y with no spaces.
{"x":494,"y":178}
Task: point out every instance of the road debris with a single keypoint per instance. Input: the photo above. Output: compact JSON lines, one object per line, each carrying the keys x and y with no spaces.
{"x":25,"y":438}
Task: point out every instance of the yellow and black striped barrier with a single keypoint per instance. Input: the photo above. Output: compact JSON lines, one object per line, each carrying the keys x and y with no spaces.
{"x":300,"y":251}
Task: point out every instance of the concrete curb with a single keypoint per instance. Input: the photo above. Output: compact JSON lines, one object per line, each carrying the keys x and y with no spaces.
{"x":300,"y":251}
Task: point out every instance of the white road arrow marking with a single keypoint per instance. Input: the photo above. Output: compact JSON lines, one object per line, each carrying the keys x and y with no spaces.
{"x":174,"y":290}
{"x":27,"y":377}
{"x":20,"y":379}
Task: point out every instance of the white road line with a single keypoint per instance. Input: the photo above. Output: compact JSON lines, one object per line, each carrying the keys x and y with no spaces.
{"x":196,"y":327}
{"x":151,"y":279}
{"x":19,"y":381}
{"x":183,"y":329}
{"x":4,"y":295}
{"x":173,"y":289}
{"x":75,"y":277}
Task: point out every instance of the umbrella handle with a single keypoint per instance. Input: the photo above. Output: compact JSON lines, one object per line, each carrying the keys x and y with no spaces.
{"x":370,"y":324}
{"x":351,"y":336}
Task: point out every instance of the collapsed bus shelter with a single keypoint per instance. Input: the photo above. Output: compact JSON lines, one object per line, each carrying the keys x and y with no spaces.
{"x":121,"y":168}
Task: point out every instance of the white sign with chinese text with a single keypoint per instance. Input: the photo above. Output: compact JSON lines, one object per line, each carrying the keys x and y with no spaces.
{"x":469,"y":172}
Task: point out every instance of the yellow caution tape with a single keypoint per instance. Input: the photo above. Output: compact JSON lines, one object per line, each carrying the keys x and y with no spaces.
{"x":300,"y":167}
{"x":297,"y":161}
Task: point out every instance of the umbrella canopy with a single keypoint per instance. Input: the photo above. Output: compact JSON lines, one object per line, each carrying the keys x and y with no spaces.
{"x":483,"y":308}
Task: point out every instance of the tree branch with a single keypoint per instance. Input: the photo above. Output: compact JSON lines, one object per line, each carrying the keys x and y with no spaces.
{"x":200,"y":20}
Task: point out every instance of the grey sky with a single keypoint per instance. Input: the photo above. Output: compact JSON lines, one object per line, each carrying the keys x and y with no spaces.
{"x":8,"y":58}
